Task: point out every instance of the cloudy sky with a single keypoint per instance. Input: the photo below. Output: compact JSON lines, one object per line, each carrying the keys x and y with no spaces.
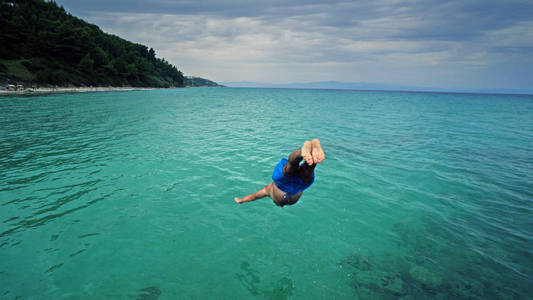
{"x":441,"y":44}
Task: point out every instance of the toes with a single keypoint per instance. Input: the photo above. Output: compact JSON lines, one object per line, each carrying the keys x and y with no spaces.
{"x":317,"y":152}
{"x":306,"y":152}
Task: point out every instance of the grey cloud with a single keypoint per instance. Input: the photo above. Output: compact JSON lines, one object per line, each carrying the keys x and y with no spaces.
{"x":431,"y":19}
{"x":382,"y":41}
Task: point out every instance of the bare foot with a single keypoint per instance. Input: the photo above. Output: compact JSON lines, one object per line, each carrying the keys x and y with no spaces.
{"x":306,"y":152}
{"x":317,"y":152}
{"x":237,"y":200}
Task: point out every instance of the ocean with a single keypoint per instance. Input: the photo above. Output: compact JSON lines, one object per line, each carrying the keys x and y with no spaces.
{"x":129,"y":195}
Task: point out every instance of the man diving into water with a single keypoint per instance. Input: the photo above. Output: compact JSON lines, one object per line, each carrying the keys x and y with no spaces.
{"x":290,"y":178}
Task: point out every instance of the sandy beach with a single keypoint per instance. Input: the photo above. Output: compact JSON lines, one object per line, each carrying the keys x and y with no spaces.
{"x":41,"y":91}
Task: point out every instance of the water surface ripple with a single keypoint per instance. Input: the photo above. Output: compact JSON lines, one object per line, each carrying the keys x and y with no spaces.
{"x":130,"y":195}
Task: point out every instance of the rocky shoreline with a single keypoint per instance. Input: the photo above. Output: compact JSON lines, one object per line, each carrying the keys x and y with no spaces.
{"x":41,"y":91}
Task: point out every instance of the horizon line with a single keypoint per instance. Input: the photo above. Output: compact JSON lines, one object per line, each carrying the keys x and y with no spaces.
{"x":372,"y":87}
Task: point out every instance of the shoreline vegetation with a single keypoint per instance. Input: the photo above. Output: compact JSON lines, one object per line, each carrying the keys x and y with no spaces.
{"x":65,"y":90}
{"x":45,"y":46}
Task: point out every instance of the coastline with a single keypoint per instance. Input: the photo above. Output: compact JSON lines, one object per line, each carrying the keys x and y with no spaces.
{"x":61,"y":90}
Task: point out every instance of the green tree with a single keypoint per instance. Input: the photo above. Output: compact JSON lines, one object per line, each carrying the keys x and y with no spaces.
{"x":100,"y":57}
{"x":86,"y":63}
{"x":62,"y":49}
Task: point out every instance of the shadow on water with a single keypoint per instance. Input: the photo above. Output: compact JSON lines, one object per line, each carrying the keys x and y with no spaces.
{"x":40,"y":220}
{"x":149,"y":293}
{"x":429,"y":269}
{"x":280,"y":289}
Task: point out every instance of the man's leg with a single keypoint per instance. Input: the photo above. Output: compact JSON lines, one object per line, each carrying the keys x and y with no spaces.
{"x":306,"y":152}
{"x":306,"y":172}
{"x":266,"y":191}
{"x":317,"y":154}
{"x":291,"y":167}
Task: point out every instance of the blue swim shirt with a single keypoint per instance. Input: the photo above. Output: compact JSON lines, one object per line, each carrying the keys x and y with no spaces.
{"x":290,"y":185}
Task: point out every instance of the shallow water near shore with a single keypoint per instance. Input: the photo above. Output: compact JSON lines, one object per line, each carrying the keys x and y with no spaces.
{"x":129,"y":195}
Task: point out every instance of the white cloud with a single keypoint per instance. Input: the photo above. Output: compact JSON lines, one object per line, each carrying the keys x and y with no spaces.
{"x":391,"y":44}
{"x":519,"y":36}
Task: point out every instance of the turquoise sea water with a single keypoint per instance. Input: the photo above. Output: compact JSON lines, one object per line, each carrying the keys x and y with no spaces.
{"x":129,"y":195}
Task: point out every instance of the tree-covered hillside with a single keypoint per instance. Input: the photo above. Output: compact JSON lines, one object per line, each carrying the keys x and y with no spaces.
{"x":43,"y":44}
{"x":192,"y":81}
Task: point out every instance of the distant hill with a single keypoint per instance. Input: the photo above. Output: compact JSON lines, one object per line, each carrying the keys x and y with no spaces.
{"x":336,"y":85}
{"x":191,"y":81}
{"x":43,"y":44}
{"x":329,"y":85}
